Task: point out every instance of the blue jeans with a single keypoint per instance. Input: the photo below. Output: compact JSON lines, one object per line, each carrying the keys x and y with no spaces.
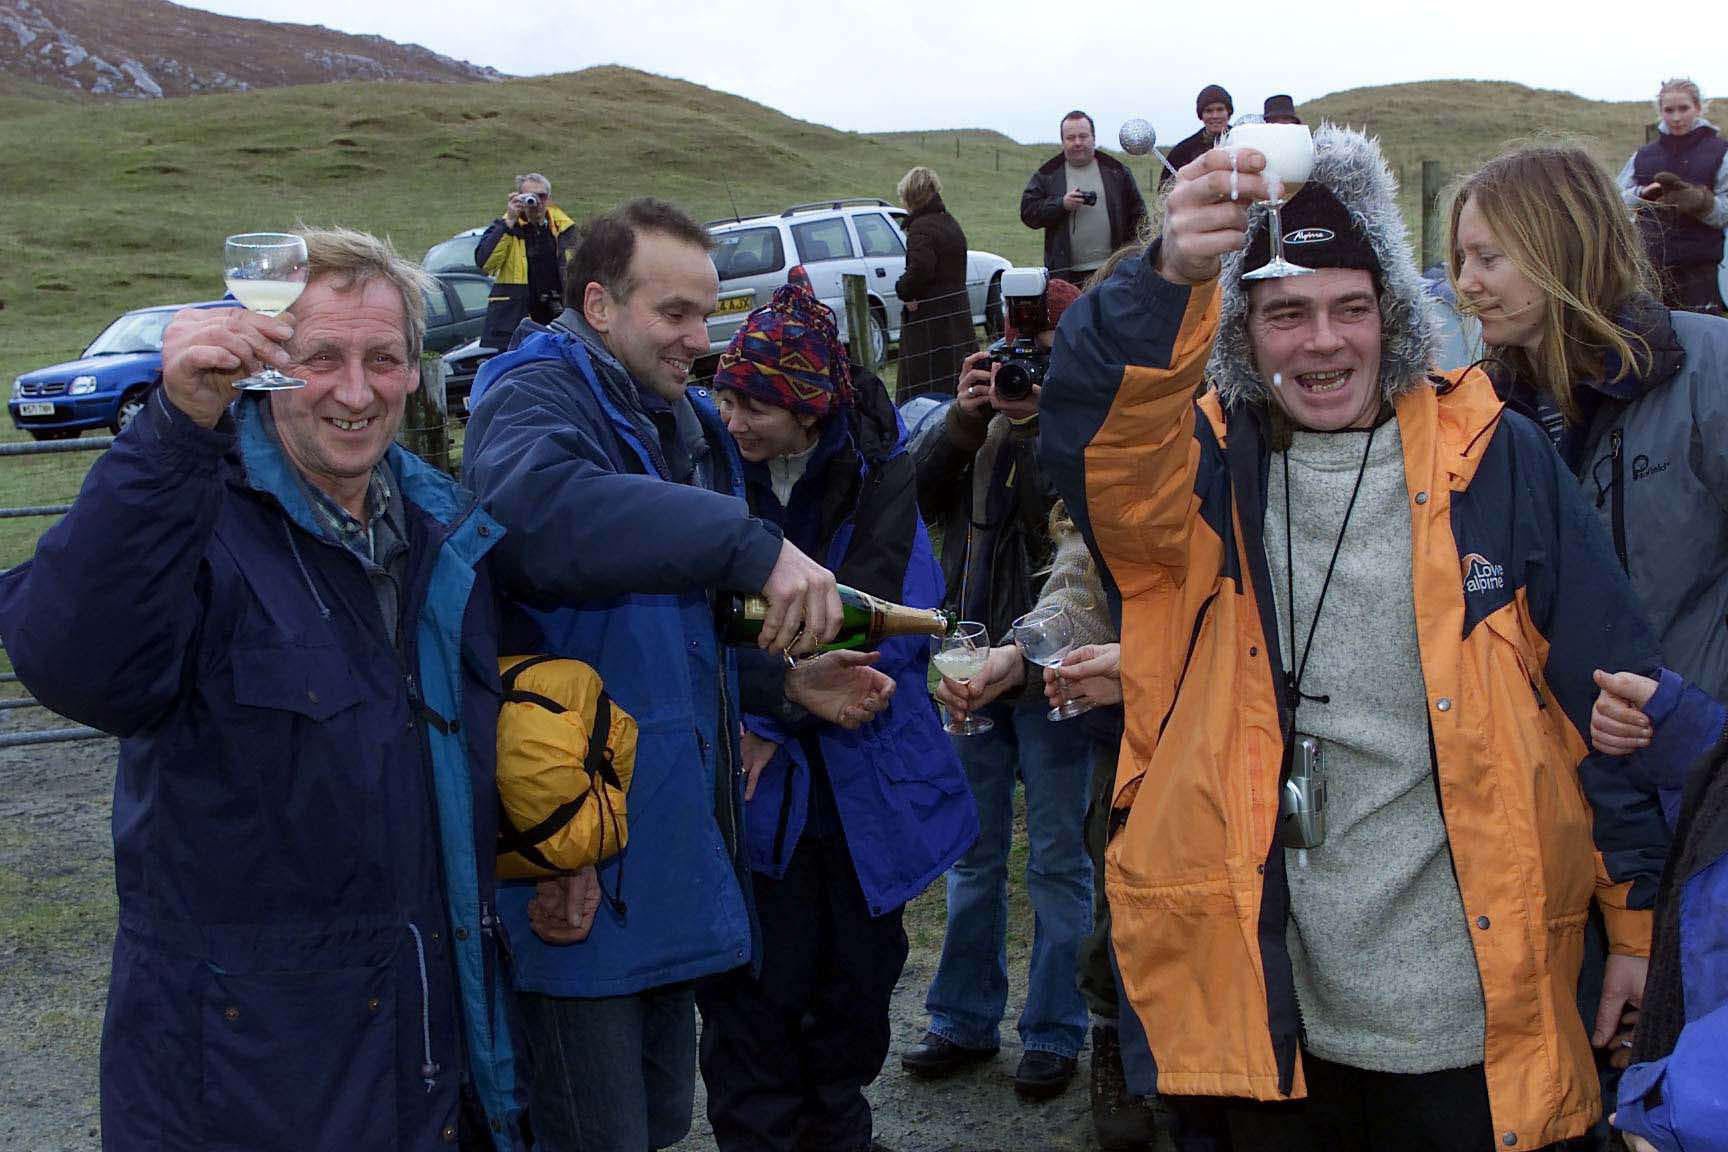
{"x":616,"y":1074}
{"x":970,"y":993}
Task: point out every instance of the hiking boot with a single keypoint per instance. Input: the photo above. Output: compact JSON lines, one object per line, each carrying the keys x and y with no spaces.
{"x":937,"y":1056}
{"x":1124,"y":1123}
{"x":1042,"y":1075}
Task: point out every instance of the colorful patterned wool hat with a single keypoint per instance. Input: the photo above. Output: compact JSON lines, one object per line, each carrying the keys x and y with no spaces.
{"x":788,"y":353}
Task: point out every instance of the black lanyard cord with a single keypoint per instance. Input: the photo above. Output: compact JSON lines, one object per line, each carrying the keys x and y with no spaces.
{"x":1293,"y":682}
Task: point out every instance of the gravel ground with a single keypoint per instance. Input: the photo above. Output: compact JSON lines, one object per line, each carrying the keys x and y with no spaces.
{"x":57,"y":927}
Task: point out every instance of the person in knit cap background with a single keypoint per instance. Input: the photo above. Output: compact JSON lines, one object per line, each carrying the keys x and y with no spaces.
{"x":978,"y":478}
{"x":841,"y":828}
{"x":1214,"y":108}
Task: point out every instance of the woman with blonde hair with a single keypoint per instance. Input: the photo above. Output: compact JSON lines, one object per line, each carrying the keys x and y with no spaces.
{"x":1679,"y":184}
{"x":936,"y":332}
{"x":1633,"y":393}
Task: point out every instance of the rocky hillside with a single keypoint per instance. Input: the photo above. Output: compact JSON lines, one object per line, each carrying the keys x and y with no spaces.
{"x":147,"y":49}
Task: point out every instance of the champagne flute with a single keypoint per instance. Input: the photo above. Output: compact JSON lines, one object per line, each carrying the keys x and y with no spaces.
{"x":266,"y":272}
{"x":961,"y":655}
{"x":1289,"y":152}
{"x":1045,"y":636}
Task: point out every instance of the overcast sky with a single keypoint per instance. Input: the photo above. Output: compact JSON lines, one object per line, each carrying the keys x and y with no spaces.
{"x":1016,"y":66}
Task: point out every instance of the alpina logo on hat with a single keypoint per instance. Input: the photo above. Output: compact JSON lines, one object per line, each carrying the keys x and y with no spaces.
{"x":1310,"y":236}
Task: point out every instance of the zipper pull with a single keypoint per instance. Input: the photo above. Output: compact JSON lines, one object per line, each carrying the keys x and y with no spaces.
{"x":1614,"y":444}
{"x":487,"y":920}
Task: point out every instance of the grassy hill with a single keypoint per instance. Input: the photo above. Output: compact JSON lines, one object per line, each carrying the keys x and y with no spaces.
{"x":110,"y":206}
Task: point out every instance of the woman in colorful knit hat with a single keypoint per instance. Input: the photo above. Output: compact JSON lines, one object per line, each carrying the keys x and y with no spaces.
{"x":841,"y":828}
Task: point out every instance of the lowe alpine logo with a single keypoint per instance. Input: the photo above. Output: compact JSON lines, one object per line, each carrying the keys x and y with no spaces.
{"x":1310,"y":236}
{"x":1482,"y":574}
{"x":1643,"y":469}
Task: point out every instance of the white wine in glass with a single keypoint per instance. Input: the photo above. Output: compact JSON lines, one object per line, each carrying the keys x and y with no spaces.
{"x":266,"y":272}
{"x":961,"y":655}
{"x":1289,"y":152}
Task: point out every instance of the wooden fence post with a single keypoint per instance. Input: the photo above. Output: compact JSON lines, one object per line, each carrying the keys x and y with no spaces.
{"x":857,"y":294}
{"x":1433,"y":232}
{"x":424,"y":431}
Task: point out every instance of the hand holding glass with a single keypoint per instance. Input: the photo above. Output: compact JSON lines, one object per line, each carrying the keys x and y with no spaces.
{"x":961,"y":655}
{"x":1045,"y":636}
{"x":266,"y":272}
{"x":1289,"y":153}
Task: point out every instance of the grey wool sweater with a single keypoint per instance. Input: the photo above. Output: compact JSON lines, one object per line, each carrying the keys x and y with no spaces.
{"x":1385,"y":972}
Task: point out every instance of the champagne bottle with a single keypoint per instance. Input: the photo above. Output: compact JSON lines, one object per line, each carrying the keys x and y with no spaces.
{"x":865,"y":620}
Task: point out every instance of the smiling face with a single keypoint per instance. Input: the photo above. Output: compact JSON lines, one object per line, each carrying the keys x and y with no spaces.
{"x":659,"y":328}
{"x":1319,"y":337}
{"x":350,"y":345}
{"x":1216,"y":117}
{"x":764,"y":430}
{"x":1679,"y":112}
{"x":1509,"y":304}
{"x":1078,"y":145}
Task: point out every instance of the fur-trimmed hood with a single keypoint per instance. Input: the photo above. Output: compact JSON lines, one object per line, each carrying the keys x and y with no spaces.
{"x":1352,"y":166}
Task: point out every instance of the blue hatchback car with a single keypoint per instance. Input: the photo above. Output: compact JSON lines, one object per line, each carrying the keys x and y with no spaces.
{"x":103,"y":388}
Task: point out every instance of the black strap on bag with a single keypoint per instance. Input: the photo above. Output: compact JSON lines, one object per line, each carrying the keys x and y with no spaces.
{"x":601,"y":770}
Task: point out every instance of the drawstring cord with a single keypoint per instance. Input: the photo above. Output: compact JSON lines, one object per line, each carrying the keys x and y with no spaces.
{"x":323,"y":609}
{"x":427,"y":1069}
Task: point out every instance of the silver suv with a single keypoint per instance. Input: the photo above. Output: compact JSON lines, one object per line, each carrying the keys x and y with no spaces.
{"x":864,"y":235}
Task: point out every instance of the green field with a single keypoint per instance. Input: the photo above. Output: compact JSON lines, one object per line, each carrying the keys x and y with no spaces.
{"x":111,"y":206}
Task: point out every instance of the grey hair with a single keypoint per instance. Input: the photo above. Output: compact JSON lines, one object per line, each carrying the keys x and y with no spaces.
{"x":353,"y":258}
{"x":535,"y":176}
{"x":1353,"y":167}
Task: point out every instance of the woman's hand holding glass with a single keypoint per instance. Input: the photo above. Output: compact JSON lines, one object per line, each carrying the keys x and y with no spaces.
{"x":1089,"y":675}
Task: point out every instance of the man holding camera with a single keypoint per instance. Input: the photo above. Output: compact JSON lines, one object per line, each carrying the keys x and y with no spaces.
{"x":1087,"y":203}
{"x":977,"y":473}
{"x":1355,"y":830}
{"x":524,"y":251}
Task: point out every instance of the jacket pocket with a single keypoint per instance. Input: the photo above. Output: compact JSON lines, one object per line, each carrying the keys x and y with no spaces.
{"x":300,"y":1060}
{"x":311,"y":680}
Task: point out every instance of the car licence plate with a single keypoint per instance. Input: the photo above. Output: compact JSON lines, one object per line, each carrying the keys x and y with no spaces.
{"x":735,"y":304}
{"x":35,"y":409}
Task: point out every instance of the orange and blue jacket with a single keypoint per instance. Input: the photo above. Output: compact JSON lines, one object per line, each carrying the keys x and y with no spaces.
{"x":1517,"y":599}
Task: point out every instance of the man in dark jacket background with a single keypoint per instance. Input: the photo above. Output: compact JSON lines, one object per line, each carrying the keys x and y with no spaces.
{"x":307,"y":698}
{"x":525,"y":251}
{"x":1087,"y":203}
{"x":622,"y":493}
{"x":1214,"y":107}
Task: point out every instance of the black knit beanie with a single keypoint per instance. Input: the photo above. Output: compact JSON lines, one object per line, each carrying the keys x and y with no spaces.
{"x":1318,"y":233}
{"x":1213,"y":94}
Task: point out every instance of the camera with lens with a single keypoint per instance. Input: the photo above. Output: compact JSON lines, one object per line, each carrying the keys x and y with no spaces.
{"x":1021,"y":362}
{"x":1089,"y":197}
{"x":532,"y":200}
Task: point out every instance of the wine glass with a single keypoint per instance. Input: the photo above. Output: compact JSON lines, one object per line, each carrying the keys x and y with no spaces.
{"x":1045,"y":636}
{"x":960,"y":656}
{"x":266,"y":272}
{"x":1289,"y":152}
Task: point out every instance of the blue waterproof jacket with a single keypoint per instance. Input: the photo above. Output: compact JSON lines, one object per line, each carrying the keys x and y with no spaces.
{"x":897,"y":786}
{"x":1679,"y":1101}
{"x":303,"y":818}
{"x":615,"y":562}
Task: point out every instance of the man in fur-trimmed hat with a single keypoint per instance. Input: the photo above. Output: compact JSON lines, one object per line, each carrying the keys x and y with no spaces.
{"x":1355,"y":829}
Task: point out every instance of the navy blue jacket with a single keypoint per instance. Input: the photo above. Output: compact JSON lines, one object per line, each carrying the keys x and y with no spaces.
{"x":895,"y":783}
{"x":303,"y":818}
{"x":615,"y":562}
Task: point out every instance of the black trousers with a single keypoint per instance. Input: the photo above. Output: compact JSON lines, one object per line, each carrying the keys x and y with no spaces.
{"x":786,"y":1056}
{"x":1348,"y":1110}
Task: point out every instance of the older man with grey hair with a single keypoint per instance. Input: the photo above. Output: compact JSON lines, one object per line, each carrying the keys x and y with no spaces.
{"x":306,"y":693}
{"x":525,"y":252}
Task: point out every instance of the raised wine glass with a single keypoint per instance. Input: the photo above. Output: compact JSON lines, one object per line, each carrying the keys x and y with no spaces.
{"x":1045,"y":636}
{"x":1289,"y":152}
{"x":960,"y":656}
{"x":266,"y":272}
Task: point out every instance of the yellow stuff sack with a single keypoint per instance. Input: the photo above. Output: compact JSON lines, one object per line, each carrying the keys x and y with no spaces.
{"x":566,"y":753}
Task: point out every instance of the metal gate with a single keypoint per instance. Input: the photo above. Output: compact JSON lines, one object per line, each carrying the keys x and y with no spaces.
{"x":11,"y":704}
